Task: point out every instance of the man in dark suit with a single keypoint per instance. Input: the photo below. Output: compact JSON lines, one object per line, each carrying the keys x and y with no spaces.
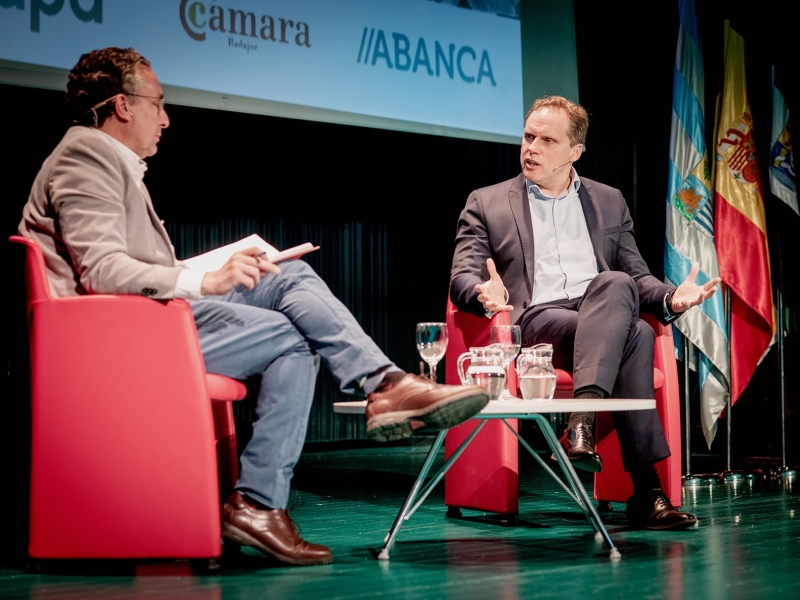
{"x":557,"y":251}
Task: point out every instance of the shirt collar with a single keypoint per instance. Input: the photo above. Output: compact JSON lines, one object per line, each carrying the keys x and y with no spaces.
{"x":534,"y":189}
{"x":136,"y":165}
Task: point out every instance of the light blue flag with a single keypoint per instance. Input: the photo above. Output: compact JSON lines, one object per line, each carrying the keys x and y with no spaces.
{"x":690,"y":225}
{"x":782,"y":180}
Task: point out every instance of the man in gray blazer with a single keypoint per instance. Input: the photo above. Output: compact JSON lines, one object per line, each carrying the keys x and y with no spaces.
{"x":90,"y":212}
{"x":557,"y":251}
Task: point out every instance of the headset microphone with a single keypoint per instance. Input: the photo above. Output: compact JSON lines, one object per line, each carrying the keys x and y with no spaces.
{"x":559,"y":166}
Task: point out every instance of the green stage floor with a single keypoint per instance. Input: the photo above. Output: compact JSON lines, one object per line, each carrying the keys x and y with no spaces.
{"x":747,"y":546}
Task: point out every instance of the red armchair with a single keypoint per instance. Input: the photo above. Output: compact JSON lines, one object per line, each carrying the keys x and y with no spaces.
{"x":486,"y":476}
{"x":126,"y":441}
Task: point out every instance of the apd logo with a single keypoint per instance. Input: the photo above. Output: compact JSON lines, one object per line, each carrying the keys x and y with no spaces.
{"x":41,"y":7}
{"x":374,"y":50}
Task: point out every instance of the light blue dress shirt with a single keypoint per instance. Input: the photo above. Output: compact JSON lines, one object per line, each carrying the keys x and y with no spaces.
{"x":564,"y":260}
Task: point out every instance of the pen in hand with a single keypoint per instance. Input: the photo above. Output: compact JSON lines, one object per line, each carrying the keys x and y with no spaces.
{"x":272,"y":268}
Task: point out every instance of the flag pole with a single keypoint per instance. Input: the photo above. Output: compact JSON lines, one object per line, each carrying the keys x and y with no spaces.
{"x":785,"y":471}
{"x":729,"y":404}
{"x":688,"y":478}
{"x":783,"y":383}
{"x":687,"y":409}
{"x":773,"y":184}
{"x":729,"y":475}
{"x":725,"y":33}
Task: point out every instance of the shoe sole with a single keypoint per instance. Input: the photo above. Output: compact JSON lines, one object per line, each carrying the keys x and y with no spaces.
{"x":245,"y":539}
{"x":389,"y":427}
{"x":674,"y":527}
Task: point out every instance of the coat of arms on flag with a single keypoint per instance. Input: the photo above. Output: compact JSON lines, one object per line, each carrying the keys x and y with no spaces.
{"x":782,"y":177}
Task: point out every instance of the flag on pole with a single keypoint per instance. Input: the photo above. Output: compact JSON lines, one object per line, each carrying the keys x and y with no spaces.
{"x":690,"y":224}
{"x":741,"y":229}
{"x":782,"y":180}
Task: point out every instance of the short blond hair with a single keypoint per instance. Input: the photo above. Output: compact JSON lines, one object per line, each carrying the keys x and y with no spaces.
{"x":578,"y":117}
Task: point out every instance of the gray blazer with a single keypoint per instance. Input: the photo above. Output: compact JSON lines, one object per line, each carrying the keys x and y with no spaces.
{"x":496,"y":223}
{"x":96,"y":224}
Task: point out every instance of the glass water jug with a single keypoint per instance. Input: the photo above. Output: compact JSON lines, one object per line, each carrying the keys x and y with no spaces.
{"x":537,"y":377}
{"x":485,"y":369}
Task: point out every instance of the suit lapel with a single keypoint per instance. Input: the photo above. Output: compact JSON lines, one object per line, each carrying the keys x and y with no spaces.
{"x":521,"y":210}
{"x":157,"y":223}
{"x":594,"y":221}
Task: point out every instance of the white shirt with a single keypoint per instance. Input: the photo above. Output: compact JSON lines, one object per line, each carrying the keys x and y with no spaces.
{"x":564,"y":260}
{"x":189,"y":282}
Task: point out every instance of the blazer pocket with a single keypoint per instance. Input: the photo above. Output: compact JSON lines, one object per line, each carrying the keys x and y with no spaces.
{"x":611,"y":230}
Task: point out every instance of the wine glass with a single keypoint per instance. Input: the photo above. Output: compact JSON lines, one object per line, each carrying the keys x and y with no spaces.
{"x":432,"y":343}
{"x":509,"y":339}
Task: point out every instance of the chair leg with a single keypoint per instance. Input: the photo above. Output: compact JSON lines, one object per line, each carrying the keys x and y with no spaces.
{"x":204,"y":566}
{"x":453,"y":512}
{"x":509,"y":520}
{"x":231,"y":550}
{"x":228,"y":466}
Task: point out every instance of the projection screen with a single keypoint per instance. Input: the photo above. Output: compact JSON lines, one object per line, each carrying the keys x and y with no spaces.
{"x":449,"y":67}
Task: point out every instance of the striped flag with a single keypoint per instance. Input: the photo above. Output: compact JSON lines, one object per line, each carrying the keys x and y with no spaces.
{"x":782,"y":179}
{"x":690,"y":225}
{"x":741,"y":230}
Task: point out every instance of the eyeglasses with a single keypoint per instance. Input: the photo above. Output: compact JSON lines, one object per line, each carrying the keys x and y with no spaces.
{"x":159,"y":104}
{"x":93,"y":109}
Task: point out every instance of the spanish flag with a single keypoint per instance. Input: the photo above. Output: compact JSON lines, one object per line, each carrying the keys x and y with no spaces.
{"x":741,"y":229}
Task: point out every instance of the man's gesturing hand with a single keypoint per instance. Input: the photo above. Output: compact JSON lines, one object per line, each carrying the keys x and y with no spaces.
{"x":243,"y":268}
{"x":690,"y":294}
{"x":492,"y":293}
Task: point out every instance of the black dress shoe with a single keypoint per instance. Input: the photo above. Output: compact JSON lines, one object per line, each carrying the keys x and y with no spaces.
{"x":655,"y":511}
{"x":578,"y":443}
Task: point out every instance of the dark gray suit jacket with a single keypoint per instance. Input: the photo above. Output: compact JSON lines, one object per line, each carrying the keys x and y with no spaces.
{"x":496,"y":223}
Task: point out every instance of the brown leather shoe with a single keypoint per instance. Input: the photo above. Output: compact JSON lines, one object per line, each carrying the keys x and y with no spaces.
{"x":412,"y":403}
{"x":270,"y":531}
{"x":655,"y":511}
{"x":578,"y":443}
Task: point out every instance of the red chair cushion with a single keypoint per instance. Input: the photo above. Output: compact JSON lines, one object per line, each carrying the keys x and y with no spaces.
{"x":224,"y":389}
{"x":564,"y":380}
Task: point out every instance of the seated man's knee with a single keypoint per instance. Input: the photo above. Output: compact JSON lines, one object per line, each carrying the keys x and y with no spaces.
{"x":297,"y":267}
{"x":614,"y":280}
{"x":296,"y":271}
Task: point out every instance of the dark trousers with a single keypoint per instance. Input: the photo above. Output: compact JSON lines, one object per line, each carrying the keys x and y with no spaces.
{"x":602,"y":341}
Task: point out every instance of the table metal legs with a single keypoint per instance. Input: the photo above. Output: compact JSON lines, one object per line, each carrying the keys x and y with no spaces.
{"x":582,"y":499}
{"x":419,"y":493}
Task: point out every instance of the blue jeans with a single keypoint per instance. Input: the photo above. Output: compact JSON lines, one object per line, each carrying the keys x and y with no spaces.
{"x":280,"y":329}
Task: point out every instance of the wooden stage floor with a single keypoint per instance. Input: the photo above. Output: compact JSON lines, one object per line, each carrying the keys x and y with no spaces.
{"x":747,"y":545}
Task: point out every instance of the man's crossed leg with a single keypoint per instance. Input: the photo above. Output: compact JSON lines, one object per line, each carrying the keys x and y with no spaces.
{"x":281,"y":329}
